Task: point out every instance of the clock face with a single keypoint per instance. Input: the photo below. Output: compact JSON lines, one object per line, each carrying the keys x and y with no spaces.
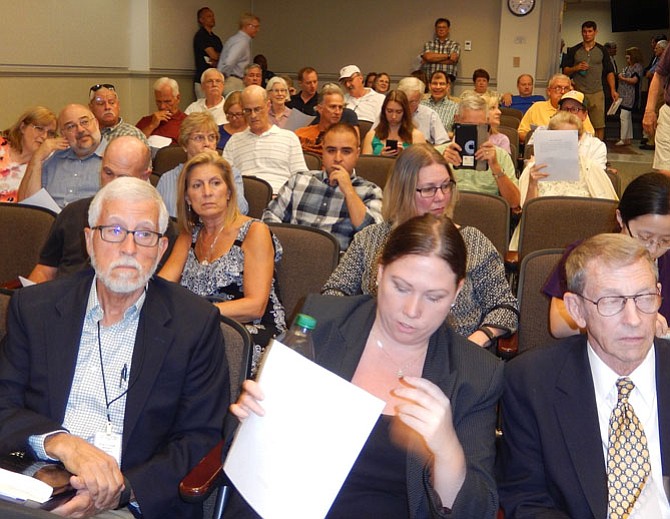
{"x":520,"y":7}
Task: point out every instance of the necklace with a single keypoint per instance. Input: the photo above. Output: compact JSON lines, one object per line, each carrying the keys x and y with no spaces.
{"x":208,"y":259}
{"x":401,"y":368}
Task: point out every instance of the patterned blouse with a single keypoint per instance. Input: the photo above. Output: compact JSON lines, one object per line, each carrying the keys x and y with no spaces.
{"x":486,"y":298}
{"x":11,"y":174}
{"x":223,"y":280}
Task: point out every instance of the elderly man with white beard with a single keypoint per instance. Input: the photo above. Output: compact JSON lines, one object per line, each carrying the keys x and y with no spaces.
{"x":111,"y":371}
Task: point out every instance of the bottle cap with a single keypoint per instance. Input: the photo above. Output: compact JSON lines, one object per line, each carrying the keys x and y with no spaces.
{"x":305,"y":321}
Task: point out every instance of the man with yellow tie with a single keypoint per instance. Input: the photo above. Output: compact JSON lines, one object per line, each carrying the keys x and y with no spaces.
{"x":586,"y":422}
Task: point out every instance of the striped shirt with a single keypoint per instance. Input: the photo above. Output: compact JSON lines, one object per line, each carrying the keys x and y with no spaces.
{"x":445,"y":108}
{"x":308,"y":199}
{"x":273,"y":155}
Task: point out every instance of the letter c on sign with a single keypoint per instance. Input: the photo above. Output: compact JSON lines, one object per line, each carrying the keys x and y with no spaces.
{"x":470,"y":147}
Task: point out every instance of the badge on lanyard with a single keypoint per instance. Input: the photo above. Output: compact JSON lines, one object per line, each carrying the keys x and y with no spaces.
{"x":110,"y":442}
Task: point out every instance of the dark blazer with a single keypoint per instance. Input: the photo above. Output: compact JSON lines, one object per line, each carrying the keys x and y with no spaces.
{"x":551,"y":458}
{"x":470,"y":376}
{"x":179,"y":388}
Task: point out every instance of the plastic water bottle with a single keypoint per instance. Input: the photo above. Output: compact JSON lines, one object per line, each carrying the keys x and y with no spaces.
{"x":299,"y":336}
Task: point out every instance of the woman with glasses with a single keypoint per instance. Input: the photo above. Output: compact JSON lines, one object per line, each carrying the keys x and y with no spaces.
{"x":422,"y":182}
{"x":19,"y":142}
{"x":395,"y":130}
{"x":222,"y":254}
{"x":236,"y":120}
{"x":644,"y":214}
{"x":197,"y":133}
{"x":278,"y":95}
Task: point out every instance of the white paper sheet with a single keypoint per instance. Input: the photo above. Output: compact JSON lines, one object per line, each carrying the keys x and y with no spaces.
{"x":293,"y":461}
{"x":42,"y":199}
{"x":297,"y":119}
{"x":158,"y":141}
{"x":559,"y":150}
{"x":20,"y":487}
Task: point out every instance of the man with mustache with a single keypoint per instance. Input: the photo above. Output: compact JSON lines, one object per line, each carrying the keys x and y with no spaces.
{"x":118,"y":375}
{"x":106,"y":107}
{"x":71,"y":172}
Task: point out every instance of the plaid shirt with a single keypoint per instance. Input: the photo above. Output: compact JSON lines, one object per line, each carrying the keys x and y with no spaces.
{"x":445,"y":108}
{"x":445,"y":47}
{"x":122,"y":129}
{"x":308,"y":199}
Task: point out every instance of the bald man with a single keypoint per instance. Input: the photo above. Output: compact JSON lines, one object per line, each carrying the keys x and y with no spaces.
{"x":64,"y":251}
{"x":71,"y":172}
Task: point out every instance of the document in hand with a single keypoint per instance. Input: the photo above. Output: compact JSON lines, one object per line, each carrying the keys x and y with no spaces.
{"x":559,"y":150}
{"x":17,"y":487}
{"x":293,"y":461}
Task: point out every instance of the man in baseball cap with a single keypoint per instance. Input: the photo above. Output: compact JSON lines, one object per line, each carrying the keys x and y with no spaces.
{"x":364,"y":101}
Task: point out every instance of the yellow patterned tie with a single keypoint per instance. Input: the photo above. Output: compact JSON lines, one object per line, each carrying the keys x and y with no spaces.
{"x":627,"y":455}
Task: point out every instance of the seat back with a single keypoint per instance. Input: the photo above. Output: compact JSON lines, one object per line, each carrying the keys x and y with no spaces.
{"x":512,"y":112}
{"x":488,"y":213}
{"x":5,"y":296}
{"x":312,"y":160}
{"x":557,"y":221}
{"x":258,"y":193}
{"x":238,"y":345}
{"x":533,"y":303}
{"x":168,"y":158}
{"x":509,"y":120}
{"x":375,"y":168}
{"x":24,"y":231}
{"x":364,"y":127}
{"x":310,"y":256}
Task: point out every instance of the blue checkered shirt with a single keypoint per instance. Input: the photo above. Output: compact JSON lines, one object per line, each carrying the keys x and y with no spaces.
{"x":445,"y":108}
{"x":86,"y":409}
{"x":446,"y":47}
{"x":308,"y":199}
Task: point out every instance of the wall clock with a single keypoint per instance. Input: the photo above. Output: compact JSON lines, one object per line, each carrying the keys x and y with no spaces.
{"x":520,"y":7}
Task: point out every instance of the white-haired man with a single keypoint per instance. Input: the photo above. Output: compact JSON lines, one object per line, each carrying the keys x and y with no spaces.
{"x":165,"y":121}
{"x":124,"y":401}
{"x":424,"y":118}
{"x":212,"y":83}
{"x":236,"y":53}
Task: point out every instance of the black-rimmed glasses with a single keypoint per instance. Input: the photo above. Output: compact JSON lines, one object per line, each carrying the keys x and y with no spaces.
{"x":117,"y":234}
{"x":430,"y":192}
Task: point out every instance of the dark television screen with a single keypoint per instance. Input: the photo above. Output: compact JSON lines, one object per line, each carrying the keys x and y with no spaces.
{"x":628,"y":15}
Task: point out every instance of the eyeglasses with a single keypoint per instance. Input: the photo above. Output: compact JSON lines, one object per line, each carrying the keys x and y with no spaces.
{"x":560,"y":89}
{"x":254,"y":110}
{"x":649,"y":241}
{"x":611,"y":305}
{"x":44,"y":130}
{"x":84,"y":122}
{"x":430,"y":192}
{"x":200,"y":138}
{"x":97,"y":87}
{"x":234,"y":115}
{"x":572,"y":109}
{"x":255,"y":26}
{"x":117,"y":234}
{"x":101,"y":101}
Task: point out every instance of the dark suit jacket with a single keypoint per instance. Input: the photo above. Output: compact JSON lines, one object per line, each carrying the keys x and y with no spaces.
{"x":178,"y":385}
{"x":470,"y":376}
{"x":551,"y":458}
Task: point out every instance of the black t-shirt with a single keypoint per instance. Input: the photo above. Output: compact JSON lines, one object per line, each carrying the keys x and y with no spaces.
{"x":201,"y":41}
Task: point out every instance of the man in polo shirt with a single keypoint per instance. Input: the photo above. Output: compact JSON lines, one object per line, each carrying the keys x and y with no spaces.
{"x":72,"y":172}
{"x":364,"y":101}
{"x":307,"y":98}
{"x":334,"y":199}
{"x":166,"y":120}
{"x":106,"y":107}
{"x":263,"y":149}
{"x":206,"y":47}
{"x":330,"y":109}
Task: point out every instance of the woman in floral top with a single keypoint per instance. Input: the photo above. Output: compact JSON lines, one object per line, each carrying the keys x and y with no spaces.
{"x":629,"y":92}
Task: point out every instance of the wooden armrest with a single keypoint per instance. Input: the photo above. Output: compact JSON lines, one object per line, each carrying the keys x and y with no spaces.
{"x":508,"y":347}
{"x":12,"y":284}
{"x":201,"y":480}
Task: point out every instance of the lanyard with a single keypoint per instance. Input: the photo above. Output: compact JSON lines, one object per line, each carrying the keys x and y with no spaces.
{"x":124,"y":376}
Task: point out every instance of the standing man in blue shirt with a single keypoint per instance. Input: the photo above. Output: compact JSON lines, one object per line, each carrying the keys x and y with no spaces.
{"x":236,"y":53}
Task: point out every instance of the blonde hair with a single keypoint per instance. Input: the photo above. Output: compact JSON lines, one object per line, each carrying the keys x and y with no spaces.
{"x":399,"y":199}
{"x":194,"y":122}
{"x":37,"y":115}
{"x":186,"y":216}
{"x":562,"y":117}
